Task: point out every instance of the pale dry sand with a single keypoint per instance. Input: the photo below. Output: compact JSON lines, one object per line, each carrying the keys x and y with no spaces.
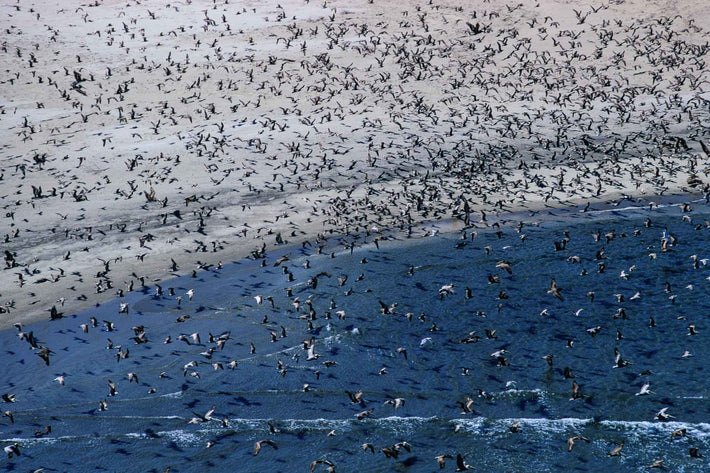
{"x":199,"y":131}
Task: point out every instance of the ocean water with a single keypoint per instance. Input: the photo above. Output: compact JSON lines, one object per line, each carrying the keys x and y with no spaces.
{"x":303,"y":405}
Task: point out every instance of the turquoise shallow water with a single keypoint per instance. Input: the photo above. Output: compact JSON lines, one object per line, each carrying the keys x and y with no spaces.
{"x":143,"y":430}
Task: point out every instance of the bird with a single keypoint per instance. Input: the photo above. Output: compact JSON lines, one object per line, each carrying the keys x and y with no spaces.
{"x":366,"y":413}
{"x":694,"y":452}
{"x":441,"y":460}
{"x":393,"y":451}
{"x":396,"y":402}
{"x":8,"y":397}
{"x":554,"y":290}
{"x":461,"y":465}
{"x":259,"y":443}
{"x":662,"y":415}
{"x":616,"y":452}
{"x":445,"y":290}
{"x":505,"y":266}
{"x":328,"y":463}
{"x":576,"y":394}
{"x":44,"y":354}
{"x":355,"y":397}
{"x":12,"y":450}
{"x":42,"y":432}
{"x":312,"y":355}
{"x":466,"y":405}
{"x":644,"y":390}
{"x":572,"y":440}
{"x":549,"y":359}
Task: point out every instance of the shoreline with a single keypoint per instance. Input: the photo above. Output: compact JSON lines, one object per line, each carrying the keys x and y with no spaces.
{"x":443,"y":227}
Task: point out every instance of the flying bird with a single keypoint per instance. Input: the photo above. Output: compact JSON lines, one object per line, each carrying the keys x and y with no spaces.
{"x":554,"y":290}
{"x":260,"y":443}
{"x":572,"y":440}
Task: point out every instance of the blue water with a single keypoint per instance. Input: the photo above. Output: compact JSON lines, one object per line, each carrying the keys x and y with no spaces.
{"x":141,"y":431}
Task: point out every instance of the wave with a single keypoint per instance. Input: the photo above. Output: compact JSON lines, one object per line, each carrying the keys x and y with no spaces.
{"x":567,"y":424}
{"x":696,"y":429}
{"x":700,"y":431}
{"x":142,"y":417}
{"x":661,"y":205}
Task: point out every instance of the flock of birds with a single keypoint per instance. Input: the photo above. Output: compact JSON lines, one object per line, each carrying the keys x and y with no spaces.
{"x":279,"y":318}
{"x":191,"y":130}
{"x":228,"y":124}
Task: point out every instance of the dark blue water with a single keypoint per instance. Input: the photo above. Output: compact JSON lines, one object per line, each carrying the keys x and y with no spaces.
{"x":307,"y":401}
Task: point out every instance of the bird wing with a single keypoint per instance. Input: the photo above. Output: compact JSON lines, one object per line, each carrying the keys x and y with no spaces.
{"x":460,"y":465}
{"x":705,"y":148}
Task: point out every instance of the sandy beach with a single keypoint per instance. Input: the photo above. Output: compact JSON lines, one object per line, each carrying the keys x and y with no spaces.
{"x":143,"y":140}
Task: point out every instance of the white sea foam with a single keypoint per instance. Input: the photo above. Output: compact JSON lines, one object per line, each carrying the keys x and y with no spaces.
{"x":182,"y":437}
{"x":142,"y":417}
{"x":641,"y":207}
{"x":695,"y":430}
{"x":406,"y":425}
{"x":699,"y":430}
